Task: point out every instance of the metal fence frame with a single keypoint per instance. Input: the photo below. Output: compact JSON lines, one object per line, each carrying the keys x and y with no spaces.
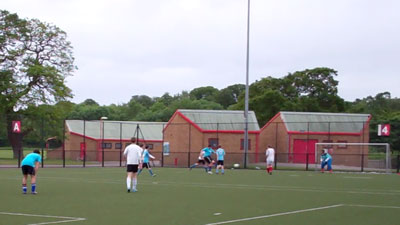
{"x":190,"y":155}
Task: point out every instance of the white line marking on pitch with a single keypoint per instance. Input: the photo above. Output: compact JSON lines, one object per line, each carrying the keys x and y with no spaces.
{"x":277,"y":214}
{"x":68,"y":219}
{"x":357,"y":177}
{"x":238,"y":186}
{"x":375,"y":206}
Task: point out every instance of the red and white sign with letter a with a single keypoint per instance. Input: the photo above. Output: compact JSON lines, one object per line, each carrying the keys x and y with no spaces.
{"x":383,"y":129}
{"x":16,"y":126}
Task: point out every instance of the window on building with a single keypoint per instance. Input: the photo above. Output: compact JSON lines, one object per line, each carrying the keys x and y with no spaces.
{"x":151,"y":146}
{"x":107,"y":145}
{"x":342,"y":144}
{"x":327,"y":141}
{"x":242,"y":144}
{"x":166,"y":148}
{"x":213,"y":142}
{"x":118,"y":145}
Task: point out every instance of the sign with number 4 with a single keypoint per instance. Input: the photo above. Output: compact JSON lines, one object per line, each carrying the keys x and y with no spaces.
{"x":383,"y":129}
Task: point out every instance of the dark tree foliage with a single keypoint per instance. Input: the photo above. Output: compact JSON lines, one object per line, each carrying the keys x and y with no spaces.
{"x":384,"y":110}
{"x":35,"y":59}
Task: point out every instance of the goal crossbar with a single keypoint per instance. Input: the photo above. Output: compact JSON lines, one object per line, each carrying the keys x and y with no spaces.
{"x":386,"y":145}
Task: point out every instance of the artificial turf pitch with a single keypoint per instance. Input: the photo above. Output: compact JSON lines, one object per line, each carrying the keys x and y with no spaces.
{"x":96,"y":196}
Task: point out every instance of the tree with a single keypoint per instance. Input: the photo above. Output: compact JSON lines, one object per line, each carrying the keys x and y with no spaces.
{"x":310,"y":90}
{"x":144,"y":100}
{"x":206,"y":93}
{"x":384,"y":110}
{"x":46,"y":121}
{"x":35,"y":59}
{"x":317,"y":90}
{"x":166,"y":99}
{"x":230,"y":95}
{"x":89,"y":102}
{"x":88,"y":112}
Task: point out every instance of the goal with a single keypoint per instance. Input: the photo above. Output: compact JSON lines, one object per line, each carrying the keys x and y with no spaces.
{"x":368,"y":157}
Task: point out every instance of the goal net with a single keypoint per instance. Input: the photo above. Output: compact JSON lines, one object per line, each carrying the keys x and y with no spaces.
{"x":368,"y":157}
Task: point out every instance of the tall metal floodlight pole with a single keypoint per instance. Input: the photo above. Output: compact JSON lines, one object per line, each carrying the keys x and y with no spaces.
{"x":246,"y":99}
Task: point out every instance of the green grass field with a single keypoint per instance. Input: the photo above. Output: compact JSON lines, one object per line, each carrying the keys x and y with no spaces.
{"x":6,"y":158}
{"x":97,"y":196}
{"x":8,"y":153}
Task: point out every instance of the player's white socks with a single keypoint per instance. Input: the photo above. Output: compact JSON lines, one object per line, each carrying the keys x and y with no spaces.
{"x":128,"y":183}
{"x":134,"y":183}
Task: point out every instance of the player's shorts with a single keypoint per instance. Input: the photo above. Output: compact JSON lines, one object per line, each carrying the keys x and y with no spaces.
{"x":208,"y":159}
{"x":220,"y":162}
{"x":201,"y":161}
{"x":145,"y":165}
{"x":28,"y":170}
{"x":270,"y":162}
{"x":132,"y":168}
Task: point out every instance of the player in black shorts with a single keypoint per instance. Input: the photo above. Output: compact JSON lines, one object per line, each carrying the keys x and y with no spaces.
{"x":220,"y":160}
{"x":132,"y":168}
{"x":132,"y":153}
{"x":199,"y":161}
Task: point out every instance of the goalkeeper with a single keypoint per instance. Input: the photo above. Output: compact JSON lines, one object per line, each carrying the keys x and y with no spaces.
{"x":326,"y":160}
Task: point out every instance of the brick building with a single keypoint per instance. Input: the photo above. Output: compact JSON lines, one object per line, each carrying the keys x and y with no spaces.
{"x":93,"y":139}
{"x":294,"y":134}
{"x":189,"y":131}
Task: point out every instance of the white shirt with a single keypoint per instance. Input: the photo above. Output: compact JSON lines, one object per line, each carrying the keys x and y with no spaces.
{"x":133,"y":154}
{"x":270,"y":153}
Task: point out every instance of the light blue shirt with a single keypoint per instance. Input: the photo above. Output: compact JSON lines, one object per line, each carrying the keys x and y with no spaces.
{"x":220,"y":154}
{"x":31,"y":159}
{"x":146,"y":156}
{"x":208,"y":151}
{"x":326,"y":157}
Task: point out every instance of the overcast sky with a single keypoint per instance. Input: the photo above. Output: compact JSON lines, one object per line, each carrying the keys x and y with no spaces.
{"x":150,"y":47}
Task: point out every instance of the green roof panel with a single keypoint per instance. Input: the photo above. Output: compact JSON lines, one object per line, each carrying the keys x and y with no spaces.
{"x":324,"y":122}
{"x":221,"y":119}
{"x":117,"y":129}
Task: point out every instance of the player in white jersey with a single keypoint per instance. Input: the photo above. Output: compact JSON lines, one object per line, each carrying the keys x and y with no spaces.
{"x":199,"y":161}
{"x":270,"y":154}
{"x":133,"y":154}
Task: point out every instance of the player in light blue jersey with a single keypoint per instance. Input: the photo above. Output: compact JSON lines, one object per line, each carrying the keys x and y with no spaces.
{"x":30,"y":165}
{"x":220,"y":160}
{"x":326,"y":160}
{"x":207,"y":152}
{"x":146,"y":161}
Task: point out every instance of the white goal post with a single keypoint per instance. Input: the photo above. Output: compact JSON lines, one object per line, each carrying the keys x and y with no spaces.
{"x":323,"y":145}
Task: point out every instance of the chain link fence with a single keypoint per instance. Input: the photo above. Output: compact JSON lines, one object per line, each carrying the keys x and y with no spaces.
{"x":100,"y":143}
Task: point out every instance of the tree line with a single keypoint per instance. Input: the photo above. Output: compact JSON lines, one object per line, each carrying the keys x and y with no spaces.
{"x":36,"y":58}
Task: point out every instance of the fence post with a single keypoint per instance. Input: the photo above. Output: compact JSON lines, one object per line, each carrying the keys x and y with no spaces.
{"x":19,"y":157}
{"x":276,"y":145}
{"x":42,"y":141}
{"x":102,"y":144}
{"x":63,"y":146}
{"x":84,"y":143}
{"x":362,"y":160}
{"x":190,"y":140}
{"x":120,"y":142}
{"x":307,"y":160}
{"x":162,"y":149}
